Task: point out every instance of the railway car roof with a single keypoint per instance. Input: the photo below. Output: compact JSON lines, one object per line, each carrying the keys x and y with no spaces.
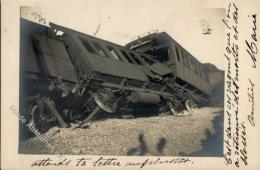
{"x":159,"y":35}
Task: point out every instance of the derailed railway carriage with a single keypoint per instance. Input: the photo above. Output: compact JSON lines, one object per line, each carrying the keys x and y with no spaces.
{"x":68,"y":76}
{"x":186,"y":69}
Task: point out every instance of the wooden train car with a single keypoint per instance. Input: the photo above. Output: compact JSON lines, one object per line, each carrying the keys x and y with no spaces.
{"x":66,"y":75}
{"x":166,"y":50}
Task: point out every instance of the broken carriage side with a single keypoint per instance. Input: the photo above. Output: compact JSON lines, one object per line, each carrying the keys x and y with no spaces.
{"x":70,"y":76}
{"x":201,"y":81}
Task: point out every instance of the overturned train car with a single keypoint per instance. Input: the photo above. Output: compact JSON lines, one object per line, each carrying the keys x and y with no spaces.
{"x":68,"y":76}
{"x":187,"y":70}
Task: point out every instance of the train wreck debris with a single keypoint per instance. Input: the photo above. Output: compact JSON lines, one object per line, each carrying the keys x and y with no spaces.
{"x":68,"y":76}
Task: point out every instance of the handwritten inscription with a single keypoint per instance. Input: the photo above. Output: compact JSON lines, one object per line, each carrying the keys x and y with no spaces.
{"x":243,"y":149}
{"x":251,"y":46}
{"x":252,"y":51}
{"x":232,"y":83}
{"x":106,"y":162}
{"x":251,"y":99}
{"x":149,"y":162}
{"x":50,"y":162}
{"x":235,"y":141}
{"x":111,"y":162}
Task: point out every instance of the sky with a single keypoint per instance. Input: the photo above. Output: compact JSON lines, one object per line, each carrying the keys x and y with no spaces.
{"x":121,"y":23}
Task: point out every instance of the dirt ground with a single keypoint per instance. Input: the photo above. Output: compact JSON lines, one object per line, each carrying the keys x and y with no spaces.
{"x":196,"y":134}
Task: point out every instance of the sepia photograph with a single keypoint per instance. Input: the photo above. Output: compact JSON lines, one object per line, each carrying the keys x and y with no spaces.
{"x":89,"y":88}
{"x":128,"y":85}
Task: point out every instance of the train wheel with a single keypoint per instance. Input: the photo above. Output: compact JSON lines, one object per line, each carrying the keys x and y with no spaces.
{"x":106,"y":102}
{"x":190,"y":105}
{"x":39,"y":117}
{"x":43,"y":114}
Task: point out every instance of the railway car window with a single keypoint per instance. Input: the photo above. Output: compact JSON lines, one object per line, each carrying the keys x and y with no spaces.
{"x":113,"y":53}
{"x":162,"y":53}
{"x":176,"y":53}
{"x":203,"y":73}
{"x":197,"y":69}
{"x":188,"y":61}
{"x":87,"y":45}
{"x":179,"y":53}
{"x":135,"y":58}
{"x":200,"y":69}
{"x":99,"y":49}
{"x":192,"y":65}
{"x":127,"y":56}
{"x":184,"y":59}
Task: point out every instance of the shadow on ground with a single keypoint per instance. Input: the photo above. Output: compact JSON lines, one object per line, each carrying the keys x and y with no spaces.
{"x":212,"y":146}
{"x":143,"y":149}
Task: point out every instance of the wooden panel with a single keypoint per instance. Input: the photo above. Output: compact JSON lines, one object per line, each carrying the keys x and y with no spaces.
{"x":116,"y":68}
{"x":187,"y":75}
{"x":56,"y":59}
{"x":27,"y":53}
